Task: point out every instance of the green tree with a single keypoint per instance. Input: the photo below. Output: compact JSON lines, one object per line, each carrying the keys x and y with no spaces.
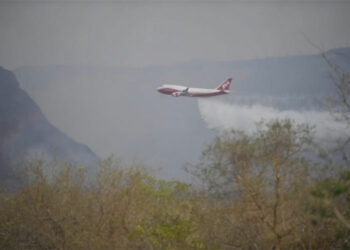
{"x":264,"y":176}
{"x":332,"y":207}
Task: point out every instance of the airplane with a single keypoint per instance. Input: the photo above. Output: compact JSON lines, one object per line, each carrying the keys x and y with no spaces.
{"x":177,"y":90}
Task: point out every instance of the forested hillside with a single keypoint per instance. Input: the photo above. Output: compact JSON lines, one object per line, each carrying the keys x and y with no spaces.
{"x":276,"y":187}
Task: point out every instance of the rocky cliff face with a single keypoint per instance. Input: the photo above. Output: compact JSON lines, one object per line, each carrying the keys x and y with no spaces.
{"x":26,"y":133}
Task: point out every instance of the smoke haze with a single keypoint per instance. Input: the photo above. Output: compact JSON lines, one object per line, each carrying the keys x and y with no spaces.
{"x":118,"y":110}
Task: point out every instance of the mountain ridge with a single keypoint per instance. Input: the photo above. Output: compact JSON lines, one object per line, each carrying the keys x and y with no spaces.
{"x":25,"y":133}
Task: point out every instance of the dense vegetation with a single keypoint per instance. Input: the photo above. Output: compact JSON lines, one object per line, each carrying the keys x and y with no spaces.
{"x":264,"y":190}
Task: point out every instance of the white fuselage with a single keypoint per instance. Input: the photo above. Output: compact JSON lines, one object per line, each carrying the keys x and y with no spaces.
{"x":194,"y":92}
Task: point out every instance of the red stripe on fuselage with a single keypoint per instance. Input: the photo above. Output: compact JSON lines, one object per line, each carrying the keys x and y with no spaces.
{"x":168,"y":91}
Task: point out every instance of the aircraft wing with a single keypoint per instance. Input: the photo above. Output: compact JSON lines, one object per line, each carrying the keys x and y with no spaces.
{"x":184,"y":92}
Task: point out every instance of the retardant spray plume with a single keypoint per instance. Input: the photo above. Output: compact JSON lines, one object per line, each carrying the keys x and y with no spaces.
{"x":222,"y":116}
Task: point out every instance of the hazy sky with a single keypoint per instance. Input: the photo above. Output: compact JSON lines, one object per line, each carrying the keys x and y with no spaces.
{"x":141,"y":33}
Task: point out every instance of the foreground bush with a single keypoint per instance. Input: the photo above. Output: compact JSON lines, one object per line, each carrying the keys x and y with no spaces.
{"x":122,"y":209}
